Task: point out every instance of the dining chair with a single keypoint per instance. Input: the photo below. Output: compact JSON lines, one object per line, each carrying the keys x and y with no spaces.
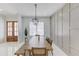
{"x":39,"y":51}
{"x":26,"y":52}
{"x":50,"y":42}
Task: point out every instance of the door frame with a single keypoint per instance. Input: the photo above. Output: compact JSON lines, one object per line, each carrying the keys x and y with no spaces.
{"x":12,"y":30}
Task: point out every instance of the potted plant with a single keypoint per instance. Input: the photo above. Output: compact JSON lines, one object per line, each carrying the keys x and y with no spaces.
{"x":25,"y":34}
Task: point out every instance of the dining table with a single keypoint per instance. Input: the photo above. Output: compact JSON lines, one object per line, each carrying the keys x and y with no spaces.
{"x":27,"y":46}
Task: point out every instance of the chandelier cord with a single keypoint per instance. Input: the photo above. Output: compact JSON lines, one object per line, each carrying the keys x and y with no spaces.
{"x":35,"y":20}
{"x":35,"y":11}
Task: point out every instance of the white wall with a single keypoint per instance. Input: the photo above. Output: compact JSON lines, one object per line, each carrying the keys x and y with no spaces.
{"x":60,"y":28}
{"x":74,"y":28}
{"x":2,"y":31}
{"x":25,"y":25}
{"x":20,"y":29}
{"x":66,"y":28}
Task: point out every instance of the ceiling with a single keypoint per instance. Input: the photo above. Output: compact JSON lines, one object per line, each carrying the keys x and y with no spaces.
{"x":28,"y":9}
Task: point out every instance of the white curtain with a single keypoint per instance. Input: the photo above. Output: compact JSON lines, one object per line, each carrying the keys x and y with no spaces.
{"x":40,"y":29}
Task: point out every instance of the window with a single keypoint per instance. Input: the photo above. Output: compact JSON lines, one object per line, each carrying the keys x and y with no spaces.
{"x":40,"y":29}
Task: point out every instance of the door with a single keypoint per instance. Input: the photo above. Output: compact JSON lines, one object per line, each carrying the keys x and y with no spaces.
{"x":12,"y":31}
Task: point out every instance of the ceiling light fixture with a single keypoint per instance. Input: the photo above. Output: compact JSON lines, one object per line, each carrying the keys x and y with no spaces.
{"x":35,"y":20}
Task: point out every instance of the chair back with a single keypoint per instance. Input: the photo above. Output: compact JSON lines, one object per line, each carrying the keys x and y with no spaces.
{"x":39,"y":51}
{"x":49,"y":41}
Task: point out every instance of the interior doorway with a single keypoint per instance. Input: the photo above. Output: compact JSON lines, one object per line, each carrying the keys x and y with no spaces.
{"x":12,"y":31}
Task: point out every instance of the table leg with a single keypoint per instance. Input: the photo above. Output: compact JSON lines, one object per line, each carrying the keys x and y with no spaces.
{"x":29,"y":52}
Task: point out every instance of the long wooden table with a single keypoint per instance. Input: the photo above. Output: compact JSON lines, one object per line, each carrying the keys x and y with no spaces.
{"x":27,"y":46}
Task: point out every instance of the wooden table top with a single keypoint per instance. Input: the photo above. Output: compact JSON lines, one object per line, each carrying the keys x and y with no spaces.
{"x":29,"y":46}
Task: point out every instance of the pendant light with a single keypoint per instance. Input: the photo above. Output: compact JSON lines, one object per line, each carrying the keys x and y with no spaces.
{"x":35,"y":20}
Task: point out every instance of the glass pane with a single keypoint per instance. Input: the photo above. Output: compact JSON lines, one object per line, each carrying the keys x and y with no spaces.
{"x":10,"y":29}
{"x":9,"y":24}
{"x":15,"y":29}
{"x":40,"y":29}
{"x":15,"y":33}
{"x":15,"y":24}
{"x":9,"y":33}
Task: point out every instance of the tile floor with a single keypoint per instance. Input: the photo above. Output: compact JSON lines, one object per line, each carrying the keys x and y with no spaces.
{"x":8,"y":49}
